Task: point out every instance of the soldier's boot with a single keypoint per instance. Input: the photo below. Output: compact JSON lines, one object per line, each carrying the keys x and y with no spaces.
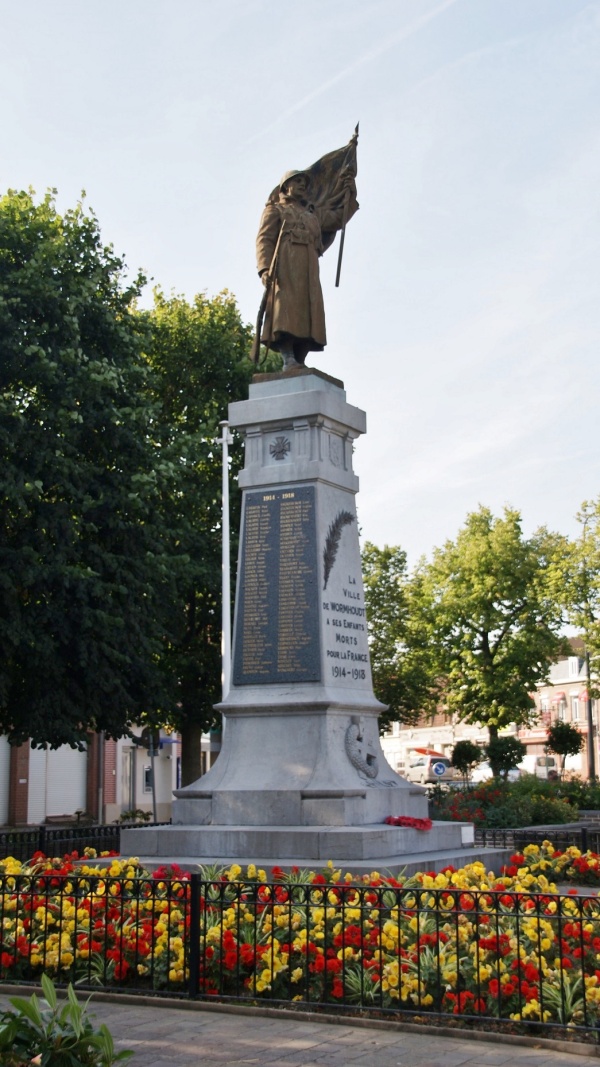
{"x":289,"y":359}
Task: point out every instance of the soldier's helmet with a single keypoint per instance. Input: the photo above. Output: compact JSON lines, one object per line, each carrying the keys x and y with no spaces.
{"x":292,"y":174}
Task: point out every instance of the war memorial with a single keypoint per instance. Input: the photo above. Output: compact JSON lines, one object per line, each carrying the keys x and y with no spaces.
{"x":301,"y":777}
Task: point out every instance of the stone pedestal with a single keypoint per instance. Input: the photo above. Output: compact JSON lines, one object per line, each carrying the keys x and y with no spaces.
{"x":301,"y":773}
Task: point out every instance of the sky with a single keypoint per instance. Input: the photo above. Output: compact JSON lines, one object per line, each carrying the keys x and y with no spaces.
{"x":467,"y":320}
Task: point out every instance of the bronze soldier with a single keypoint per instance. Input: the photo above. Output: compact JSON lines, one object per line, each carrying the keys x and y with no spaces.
{"x":298,"y":224}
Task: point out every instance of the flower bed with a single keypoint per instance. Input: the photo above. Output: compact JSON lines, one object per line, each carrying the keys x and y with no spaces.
{"x":496,"y":805}
{"x":462,"y":942}
{"x":568,"y":865}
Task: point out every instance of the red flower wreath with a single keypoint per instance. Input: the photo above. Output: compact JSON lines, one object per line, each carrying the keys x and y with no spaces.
{"x":407,"y":820}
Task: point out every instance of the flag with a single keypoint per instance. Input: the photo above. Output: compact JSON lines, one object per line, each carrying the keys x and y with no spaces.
{"x":325,"y":182}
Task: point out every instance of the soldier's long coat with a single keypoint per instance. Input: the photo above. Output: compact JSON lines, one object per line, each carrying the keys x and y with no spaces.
{"x":295,"y":305}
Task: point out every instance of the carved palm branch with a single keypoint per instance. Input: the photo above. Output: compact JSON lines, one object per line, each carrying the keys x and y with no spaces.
{"x":332,"y":542}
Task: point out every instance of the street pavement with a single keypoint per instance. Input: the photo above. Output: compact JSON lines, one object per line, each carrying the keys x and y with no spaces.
{"x":196,"y":1036}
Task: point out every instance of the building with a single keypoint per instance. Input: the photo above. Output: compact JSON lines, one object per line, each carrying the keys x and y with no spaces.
{"x":102,"y":782}
{"x":563,"y":697}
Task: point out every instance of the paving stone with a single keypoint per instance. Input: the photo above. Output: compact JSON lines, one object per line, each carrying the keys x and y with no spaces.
{"x":174,"y":1037}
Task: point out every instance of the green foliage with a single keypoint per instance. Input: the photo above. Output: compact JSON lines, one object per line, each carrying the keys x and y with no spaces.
{"x":110,"y":479}
{"x":529,"y":785}
{"x":502,"y":805}
{"x":576,"y":577}
{"x":134,"y":815}
{"x":492,"y":617}
{"x":504,"y":754}
{"x":564,"y":739}
{"x":57,"y":1035}
{"x":401,"y":660}
{"x":581,"y":794}
{"x":198,"y":355}
{"x":466,"y":755}
{"x":87,"y":556}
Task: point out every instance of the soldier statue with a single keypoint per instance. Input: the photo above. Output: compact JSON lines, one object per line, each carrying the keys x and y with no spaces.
{"x":299,"y":223}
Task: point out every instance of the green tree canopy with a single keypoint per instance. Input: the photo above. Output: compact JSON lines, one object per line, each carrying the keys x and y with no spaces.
{"x":504,"y":754}
{"x":466,"y":755}
{"x":493,"y":622}
{"x":564,"y":739}
{"x":198,"y":354}
{"x":576,"y":575}
{"x":401,"y":661}
{"x":87,"y":567}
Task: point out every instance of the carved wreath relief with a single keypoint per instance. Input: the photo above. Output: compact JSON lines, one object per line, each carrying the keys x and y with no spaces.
{"x":359,"y":751}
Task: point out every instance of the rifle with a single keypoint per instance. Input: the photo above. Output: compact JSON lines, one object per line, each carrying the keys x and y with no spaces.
{"x":255,"y":350}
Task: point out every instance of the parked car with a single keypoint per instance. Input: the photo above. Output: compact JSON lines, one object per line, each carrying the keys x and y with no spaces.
{"x":483,"y":772}
{"x":429,"y":769}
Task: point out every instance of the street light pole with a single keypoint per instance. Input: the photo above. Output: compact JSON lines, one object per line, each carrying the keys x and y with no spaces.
{"x":590,"y":721}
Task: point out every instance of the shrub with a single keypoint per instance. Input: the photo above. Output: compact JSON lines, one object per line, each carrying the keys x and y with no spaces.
{"x":504,"y":805}
{"x":580,"y":794}
{"x":466,"y":755}
{"x":565,"y":740}
{"x":42,"y":1032}
{"x":504,"y":754}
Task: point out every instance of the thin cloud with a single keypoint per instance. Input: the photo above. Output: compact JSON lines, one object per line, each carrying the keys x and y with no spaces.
{"x":363,"y":60}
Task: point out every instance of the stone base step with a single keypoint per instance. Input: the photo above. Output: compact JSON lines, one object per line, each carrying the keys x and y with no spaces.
{"x":284,"y":844}
{"x":411,"y":863}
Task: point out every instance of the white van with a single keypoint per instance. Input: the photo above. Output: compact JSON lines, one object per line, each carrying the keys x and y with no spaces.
{"x":541,"y":766}
{"x":428,"y":769}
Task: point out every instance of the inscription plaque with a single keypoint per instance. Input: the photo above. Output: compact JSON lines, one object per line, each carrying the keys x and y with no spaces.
{"x":277,"y":621}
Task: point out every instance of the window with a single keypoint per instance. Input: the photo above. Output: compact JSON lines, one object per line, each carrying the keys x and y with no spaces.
{"x":574,"y":709}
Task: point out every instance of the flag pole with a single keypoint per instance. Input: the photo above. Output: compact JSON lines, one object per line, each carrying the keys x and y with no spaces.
{"x":225,"y":441}
{"x":353,"y":141}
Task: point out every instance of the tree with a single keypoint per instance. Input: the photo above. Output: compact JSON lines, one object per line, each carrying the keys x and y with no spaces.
{"x":466,"y":755}
{"x":88,"y":558}
{"x":504,"y":754}
{"x":493,"y":622}
{"x":198,"y":355}
{"x":400,"y":653}
{"x":579,"y":575}
{"x":564,"y":739}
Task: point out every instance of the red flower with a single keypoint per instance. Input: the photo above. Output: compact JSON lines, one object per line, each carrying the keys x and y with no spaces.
{"x":407,"y":820}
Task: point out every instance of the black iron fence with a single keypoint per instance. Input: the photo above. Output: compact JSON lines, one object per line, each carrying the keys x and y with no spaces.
{"x":562,"y":837}
{"x":58,"y":840}
{"x":520,"y":960}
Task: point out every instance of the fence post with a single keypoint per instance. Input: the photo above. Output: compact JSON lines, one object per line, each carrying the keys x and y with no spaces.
{"x":584,"y":839}
{"x":194,"y":955}
{"x":41,"y":846}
